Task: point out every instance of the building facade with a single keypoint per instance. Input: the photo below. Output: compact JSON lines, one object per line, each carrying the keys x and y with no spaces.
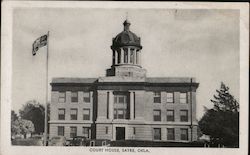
{"x":125,"y":104}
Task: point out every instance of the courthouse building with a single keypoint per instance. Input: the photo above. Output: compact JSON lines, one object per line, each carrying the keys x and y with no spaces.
{"x":125,"y":104}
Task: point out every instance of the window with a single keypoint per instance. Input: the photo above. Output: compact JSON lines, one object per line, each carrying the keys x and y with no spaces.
{"x":137,"y":56}
{"x":134,"y":130}
{"x":157,"y":115}
{"x":107,"y":105}
{"x":61,"y":114}
{"x":170,"y":97}
{"x":125,"y":55}
{"x":120,"y":106}
{"x":170,"y":115}
{"x":184,"y":115}
{"x":170,"y":134}
{"x":184,"y":134}
{"x":62,"y":97}
{"x":115,"y":113}
{"x":120,"y":99}
{"x":106,"y":130}
{"x":86,"y":114}
{"x":120,"y":114}
{"x":74,"y":96}
{"x":157,"y":97}
{"x":85,"y":132}
{"x":157,"y":134}
{"x":119,"y":56}
{"x":131,"y":55}
{"x":73,"y":114}
{"x":73,"y":131}
{"x":183,"y":97}
{"x":86,"y":97}
{"x":60,"y":130}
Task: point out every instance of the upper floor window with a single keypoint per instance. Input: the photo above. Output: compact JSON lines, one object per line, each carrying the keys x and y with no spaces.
{"x":122,"y":99}
{"x":121,"y":106}
{"x":157,"y":133}
{"x":86,"y":114}
{"x":157,"y":97}
{"x":86,"y":97}
{"x":170,"y":97}
{"x":60,"y":130}
{"x":170,"y":134}
{"x":115,"y":114}
{"x":184,"y":115}
{"x":170,"y":115}
{"x":183,"y":97}
{"x":157,"y":115}
{"x":119,"y":113}
{"x":62,"y":97}
{"x":61,"y":114}
{"x":184,"y":134}
{"x":73,"y":114}
{"x":74,"y":96}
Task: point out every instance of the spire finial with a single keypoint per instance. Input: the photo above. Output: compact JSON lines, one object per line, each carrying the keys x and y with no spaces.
{"x":126,"y":23}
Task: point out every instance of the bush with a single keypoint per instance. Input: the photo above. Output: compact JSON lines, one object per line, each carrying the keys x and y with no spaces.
{"x":27,"y":142}
{"x":136,"y":143}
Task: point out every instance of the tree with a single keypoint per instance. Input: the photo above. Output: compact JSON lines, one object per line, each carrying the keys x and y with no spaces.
{"x":20,"y":126}
{"x":34,"y":112}
{"x":13,"y":116}
{"x":14,"y":124}
{"x":26,"y":126}
{"x":221,"y":122}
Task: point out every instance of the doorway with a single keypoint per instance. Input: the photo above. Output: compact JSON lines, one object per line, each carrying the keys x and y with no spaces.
{"x":120,"y":133}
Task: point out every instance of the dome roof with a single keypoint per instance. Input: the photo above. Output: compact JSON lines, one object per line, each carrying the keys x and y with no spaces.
{"x":126,"y":38}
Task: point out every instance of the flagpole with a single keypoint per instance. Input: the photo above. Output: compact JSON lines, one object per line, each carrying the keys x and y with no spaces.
{"x":46,"y":102}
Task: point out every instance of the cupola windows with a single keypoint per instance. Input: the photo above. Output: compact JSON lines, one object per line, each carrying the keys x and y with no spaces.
{"x":126,"y":55}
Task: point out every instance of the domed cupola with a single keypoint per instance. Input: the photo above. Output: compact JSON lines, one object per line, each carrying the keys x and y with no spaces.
{"x":126,"y":47}
{"x":126,"y":38}
{"x":126,"y":59}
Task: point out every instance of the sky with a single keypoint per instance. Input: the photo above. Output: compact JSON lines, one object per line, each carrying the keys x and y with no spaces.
{"x":176,"y":43}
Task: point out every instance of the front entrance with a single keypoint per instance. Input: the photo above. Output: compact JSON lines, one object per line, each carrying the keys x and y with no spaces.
{"x":120,"y":133}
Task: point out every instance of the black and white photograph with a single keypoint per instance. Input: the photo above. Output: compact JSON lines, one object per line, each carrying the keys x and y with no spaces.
{"x":124,"y":77}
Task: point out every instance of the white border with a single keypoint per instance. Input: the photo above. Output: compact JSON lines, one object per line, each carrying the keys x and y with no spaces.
{"x":6,"y":70}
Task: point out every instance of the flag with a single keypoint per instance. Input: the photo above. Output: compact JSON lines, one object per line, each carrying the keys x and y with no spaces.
{"x":40,"y":42}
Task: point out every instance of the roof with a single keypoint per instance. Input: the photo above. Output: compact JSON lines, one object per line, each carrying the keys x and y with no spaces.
{"x":147,"y":80}
{"x":73,"y":80}
{"x":126,"y":38}
{"x":170,"y":79}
